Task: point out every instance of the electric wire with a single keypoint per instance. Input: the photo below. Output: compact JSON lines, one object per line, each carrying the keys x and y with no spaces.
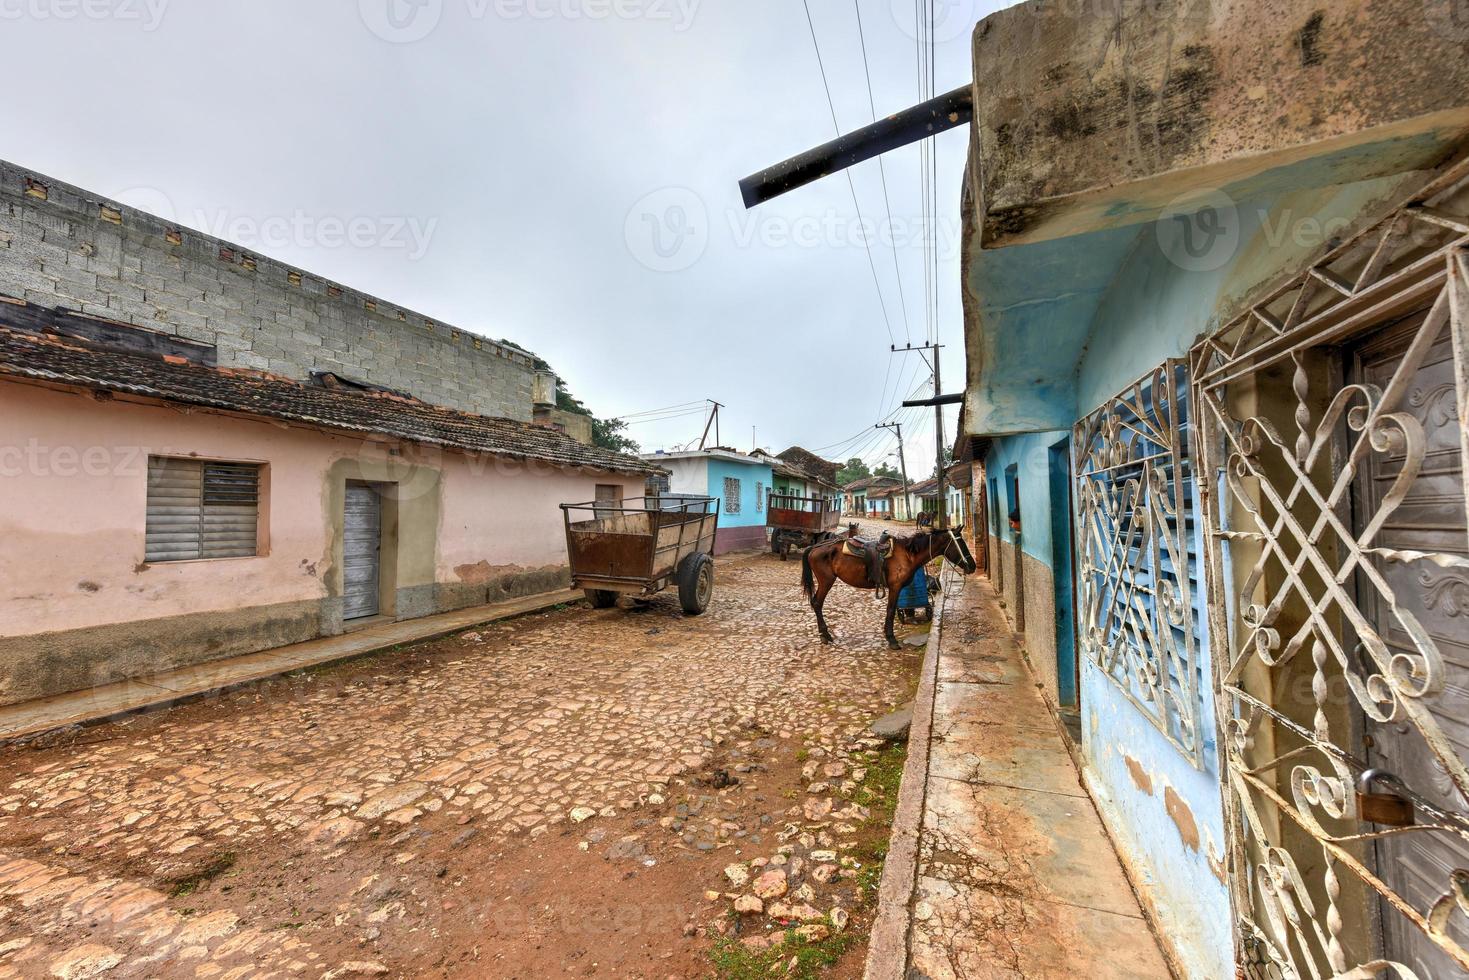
{"x":883,"y":173}
{"x":851,"y":186}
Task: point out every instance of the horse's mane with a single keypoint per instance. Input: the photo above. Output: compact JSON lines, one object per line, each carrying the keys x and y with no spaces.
{"x":913,"y":543}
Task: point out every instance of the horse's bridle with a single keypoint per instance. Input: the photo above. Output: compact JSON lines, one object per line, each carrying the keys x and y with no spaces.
{"x":953,"y":537}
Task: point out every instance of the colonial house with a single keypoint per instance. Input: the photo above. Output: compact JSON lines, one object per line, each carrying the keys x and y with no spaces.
{"x":881,"y":501}
{"x":1216,"y":292}
{"x":823,"y":470}
{"x":206,"y":453}
{"x":738,"y":481}
{"x":791,"y":480}
{"x":858,"y":493}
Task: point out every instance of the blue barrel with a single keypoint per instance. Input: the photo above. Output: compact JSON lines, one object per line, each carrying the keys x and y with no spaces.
{"x":915,"y":593}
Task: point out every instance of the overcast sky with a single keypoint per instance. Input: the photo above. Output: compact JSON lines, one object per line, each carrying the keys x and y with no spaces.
{"x":562,"y":173}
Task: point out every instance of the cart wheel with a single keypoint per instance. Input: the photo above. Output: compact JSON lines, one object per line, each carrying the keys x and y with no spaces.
{"x":696,"y":583}
{"x":601,"y":598}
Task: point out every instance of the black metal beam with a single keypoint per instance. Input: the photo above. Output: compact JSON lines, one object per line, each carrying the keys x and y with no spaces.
{"x":955,"y":399}
{"x":909,"y":126}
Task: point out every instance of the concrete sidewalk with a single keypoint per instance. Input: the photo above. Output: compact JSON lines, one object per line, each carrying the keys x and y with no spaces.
{"x":162,"y":690}
{"x":1006,"y":871}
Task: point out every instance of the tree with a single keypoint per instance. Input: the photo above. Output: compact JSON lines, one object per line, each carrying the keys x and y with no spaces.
{"x":854,"y":470}
{"x":608,"y":434}
{"x":883,"y":469}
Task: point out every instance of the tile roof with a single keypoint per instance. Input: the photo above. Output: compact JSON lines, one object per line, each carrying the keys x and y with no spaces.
{"x":72,"y":362}
{"x":868,"y":482}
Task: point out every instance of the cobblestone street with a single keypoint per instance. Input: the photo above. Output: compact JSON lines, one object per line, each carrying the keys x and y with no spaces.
{"x":572,"y":791}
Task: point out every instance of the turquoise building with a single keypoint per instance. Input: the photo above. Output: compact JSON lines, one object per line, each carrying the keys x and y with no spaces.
{"x":737,"y":481}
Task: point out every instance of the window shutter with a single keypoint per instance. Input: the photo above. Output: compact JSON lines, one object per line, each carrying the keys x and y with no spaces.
{"x":201,"y":510}
{"x":175,"y":507}
{"x":231,"y":511}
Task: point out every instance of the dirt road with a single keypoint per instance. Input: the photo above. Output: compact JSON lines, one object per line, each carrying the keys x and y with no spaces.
{"x":573,"y":792}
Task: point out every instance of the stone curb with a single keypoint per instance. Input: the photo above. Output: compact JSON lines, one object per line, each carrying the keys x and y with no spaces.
{"x":508,"y":610}
{"x":887,"y":950}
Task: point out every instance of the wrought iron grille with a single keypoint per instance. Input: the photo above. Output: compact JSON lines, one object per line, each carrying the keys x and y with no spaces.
{"x":1338,"y":566}
{"x":1135,"y":532}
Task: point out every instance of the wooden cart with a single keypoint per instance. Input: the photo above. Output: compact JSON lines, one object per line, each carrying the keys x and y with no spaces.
{"x":640,"y":547}
{"x":799,"y":522}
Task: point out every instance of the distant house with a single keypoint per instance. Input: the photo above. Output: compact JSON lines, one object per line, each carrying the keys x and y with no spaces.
{"x":791,"y":480}
{"x":823,"y":469}
{"x":879,"y":502}
{"x":858,"y":493}
{"x":738,"y":481}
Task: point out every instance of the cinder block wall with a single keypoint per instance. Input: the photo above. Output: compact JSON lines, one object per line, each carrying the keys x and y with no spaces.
{"x":61,"y":246}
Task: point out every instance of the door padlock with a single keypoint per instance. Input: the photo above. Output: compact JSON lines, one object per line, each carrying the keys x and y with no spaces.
{"x":1387,"y":809}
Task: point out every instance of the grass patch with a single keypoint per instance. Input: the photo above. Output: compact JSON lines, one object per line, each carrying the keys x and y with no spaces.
{"x":196,"y":880}
{"x":735,"y":961}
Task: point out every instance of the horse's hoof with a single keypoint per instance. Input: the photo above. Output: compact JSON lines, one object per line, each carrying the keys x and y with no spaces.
{"x":826,"y":638}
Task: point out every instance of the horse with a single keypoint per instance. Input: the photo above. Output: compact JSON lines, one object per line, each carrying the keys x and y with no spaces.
{"x":823,"y":564}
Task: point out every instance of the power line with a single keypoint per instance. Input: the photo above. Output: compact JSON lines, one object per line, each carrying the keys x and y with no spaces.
{"x":861,"y":222}
{"x":882,"y":171}
{"x":687,"y":406}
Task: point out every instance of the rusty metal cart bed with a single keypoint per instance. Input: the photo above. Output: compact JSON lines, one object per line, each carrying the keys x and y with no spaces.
{"x":798,"y":522}
{"x":640,"y":547}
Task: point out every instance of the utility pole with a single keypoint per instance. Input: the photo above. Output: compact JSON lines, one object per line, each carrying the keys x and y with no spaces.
{"x":938,"y":401}
{"x":902,"y":463}
{"x":713,"y":421}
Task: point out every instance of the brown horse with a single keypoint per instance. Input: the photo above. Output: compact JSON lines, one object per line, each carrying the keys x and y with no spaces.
{"x":823,"y":564}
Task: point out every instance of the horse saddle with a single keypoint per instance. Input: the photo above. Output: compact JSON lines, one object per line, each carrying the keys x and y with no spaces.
{"x":858,"y":548}
{"x":873,"y":554}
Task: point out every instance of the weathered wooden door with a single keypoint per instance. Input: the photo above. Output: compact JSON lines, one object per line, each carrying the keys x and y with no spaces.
{"x":1429,"y":519}
{"x":361,"y":551}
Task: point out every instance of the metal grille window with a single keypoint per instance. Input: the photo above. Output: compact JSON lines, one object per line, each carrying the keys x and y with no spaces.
{"x":201,"y":510}
{"x":1339,"y":586}
{"x":1138,"y":573}
{"x":731,"y":495}
{"x":759,"y":497}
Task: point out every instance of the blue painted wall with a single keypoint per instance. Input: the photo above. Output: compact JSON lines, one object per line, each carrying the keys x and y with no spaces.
{"x":748,"y":474}
{"x":1030,"y":455}
{"x":1166,"y":814}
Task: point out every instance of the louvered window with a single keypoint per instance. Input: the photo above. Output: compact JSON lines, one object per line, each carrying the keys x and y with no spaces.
{"x":201,"y":509}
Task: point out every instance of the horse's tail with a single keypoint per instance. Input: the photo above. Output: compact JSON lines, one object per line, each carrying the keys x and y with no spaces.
{"x":808,"y":579}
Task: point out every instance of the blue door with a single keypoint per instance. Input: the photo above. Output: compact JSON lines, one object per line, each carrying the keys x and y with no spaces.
{"x":1060,"y":480}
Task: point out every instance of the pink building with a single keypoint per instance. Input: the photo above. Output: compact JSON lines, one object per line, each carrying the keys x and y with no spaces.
{"x":159,"y":509}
